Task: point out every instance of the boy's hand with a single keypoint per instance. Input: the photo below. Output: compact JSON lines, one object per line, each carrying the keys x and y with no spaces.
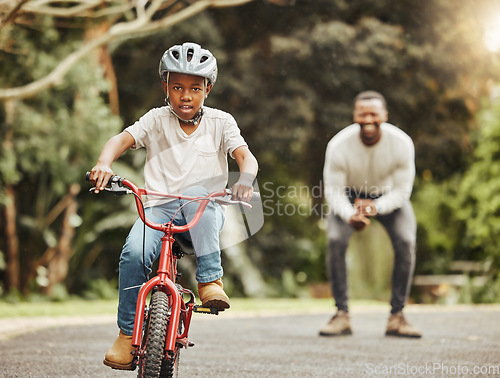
{"x":99,"y":176}
{"x":242,"y":192}
{"x":243,"y":189}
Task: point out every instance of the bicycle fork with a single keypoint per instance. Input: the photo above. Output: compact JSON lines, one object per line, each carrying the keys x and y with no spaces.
{"x":178,"y":308}
{"x":175,"y":302}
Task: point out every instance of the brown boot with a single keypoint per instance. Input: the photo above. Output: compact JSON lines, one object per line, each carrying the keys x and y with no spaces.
{"x":212,"y":295}
{"x":398,"y":326}
{"x":339,"y":325}
{"x":120,"y":355}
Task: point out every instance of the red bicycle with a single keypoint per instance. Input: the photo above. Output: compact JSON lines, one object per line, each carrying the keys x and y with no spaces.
{"x":161,"y":327}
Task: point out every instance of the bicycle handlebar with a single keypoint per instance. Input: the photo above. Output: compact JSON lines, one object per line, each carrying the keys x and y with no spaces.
{"x":121,"y":186}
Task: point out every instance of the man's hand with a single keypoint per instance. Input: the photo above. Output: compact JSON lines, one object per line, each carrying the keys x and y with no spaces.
{"x":100,"y":175}
{"x":364,"y":208}
{"x":359,"y":222}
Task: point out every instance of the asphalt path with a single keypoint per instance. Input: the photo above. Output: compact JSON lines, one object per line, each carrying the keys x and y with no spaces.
{"x":458,"y":341}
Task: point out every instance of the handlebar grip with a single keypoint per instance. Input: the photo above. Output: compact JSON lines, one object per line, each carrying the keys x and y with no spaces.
{"x":87,"y":176}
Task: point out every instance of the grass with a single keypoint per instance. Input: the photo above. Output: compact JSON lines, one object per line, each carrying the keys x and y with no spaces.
{"x":80,"y":307}
{"x":73,"y":307}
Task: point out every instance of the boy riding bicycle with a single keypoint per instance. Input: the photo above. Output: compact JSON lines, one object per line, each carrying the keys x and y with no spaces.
{"x":187,"y":145}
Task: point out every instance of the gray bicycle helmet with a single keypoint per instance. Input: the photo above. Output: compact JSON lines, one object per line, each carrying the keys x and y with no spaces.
{"x":189,"y":58}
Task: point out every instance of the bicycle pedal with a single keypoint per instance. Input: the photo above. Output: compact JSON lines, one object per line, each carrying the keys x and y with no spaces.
{"x":206,"y":310}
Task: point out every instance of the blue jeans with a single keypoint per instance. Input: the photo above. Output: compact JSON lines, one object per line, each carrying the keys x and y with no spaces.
{"x":402,"y":229}
{"x":204,"y":236}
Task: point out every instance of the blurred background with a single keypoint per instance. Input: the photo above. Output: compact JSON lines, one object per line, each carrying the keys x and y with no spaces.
{"x":75,"y":73}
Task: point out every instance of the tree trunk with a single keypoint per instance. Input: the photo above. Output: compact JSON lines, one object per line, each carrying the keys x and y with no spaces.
{"x":57,"y":266}
{"x":12,"y":241}
{"x":104,"y":60}
{"x":12,"y":279}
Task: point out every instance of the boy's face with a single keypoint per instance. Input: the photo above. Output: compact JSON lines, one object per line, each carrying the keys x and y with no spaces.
{"x":186,"y":94}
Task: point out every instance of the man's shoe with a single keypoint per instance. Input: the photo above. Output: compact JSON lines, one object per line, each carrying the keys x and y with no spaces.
{"x":399,"y":326}
{"x":339,"y":325}
{"x":120,"y":355}
{"x":212,"y":295}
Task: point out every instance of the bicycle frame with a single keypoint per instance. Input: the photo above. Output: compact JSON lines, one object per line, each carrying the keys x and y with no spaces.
{"x":166,"y":273}
{"x":164,"y":282}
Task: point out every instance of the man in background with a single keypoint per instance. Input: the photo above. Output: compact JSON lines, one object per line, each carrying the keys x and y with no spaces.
{"x":368,"y":173}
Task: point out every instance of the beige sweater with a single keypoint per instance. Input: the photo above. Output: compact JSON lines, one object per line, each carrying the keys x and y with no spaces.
{"x":384,"y":171}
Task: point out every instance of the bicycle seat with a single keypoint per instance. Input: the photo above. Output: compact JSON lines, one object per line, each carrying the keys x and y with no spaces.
{"x":185,"y":245}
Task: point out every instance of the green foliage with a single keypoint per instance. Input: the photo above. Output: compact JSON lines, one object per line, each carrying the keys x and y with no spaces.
{"x":100,"y":289}
{"x":288,"y":75}
{"x":59,"y":293}
{"x":435,"y":209}
{"x":54,"y":137}
{"x":291,"y":90}
{"x":489,"y":292}
{"x":55,"y":132}
{"x":479,"y":196}
{"x":459,"y":218}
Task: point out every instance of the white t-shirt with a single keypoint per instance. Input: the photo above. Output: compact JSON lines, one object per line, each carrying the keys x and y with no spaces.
{"x":175,"y":160}
{"x":385,"y":169}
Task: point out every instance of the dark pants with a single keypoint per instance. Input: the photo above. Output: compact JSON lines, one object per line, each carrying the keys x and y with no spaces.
{"x":402,"y":228}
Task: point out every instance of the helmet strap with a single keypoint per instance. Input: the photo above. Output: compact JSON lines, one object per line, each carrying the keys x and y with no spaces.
{"x":192,"y":121}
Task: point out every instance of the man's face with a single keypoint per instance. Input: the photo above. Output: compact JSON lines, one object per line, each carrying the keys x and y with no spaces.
{"x":370,"y":114}
{"x":186,"y":94}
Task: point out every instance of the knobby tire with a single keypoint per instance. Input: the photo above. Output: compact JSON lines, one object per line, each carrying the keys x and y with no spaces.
{"x":154,"y":363}
{"x":170,"y":366}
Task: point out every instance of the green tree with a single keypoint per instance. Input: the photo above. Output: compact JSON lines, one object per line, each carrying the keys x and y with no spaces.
{"x":292,"y":88}
{"x":49,"y":137}
{"x":289,"y":74}
{"x":478,"y":204}
{"x":48,"y":142}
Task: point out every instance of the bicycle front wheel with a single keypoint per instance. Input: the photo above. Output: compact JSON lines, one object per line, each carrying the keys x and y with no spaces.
{"x":169,"y":367}
{"x":154,"y":337}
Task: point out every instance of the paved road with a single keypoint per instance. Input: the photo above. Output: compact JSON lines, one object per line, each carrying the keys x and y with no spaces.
{"x":457,"y":342}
